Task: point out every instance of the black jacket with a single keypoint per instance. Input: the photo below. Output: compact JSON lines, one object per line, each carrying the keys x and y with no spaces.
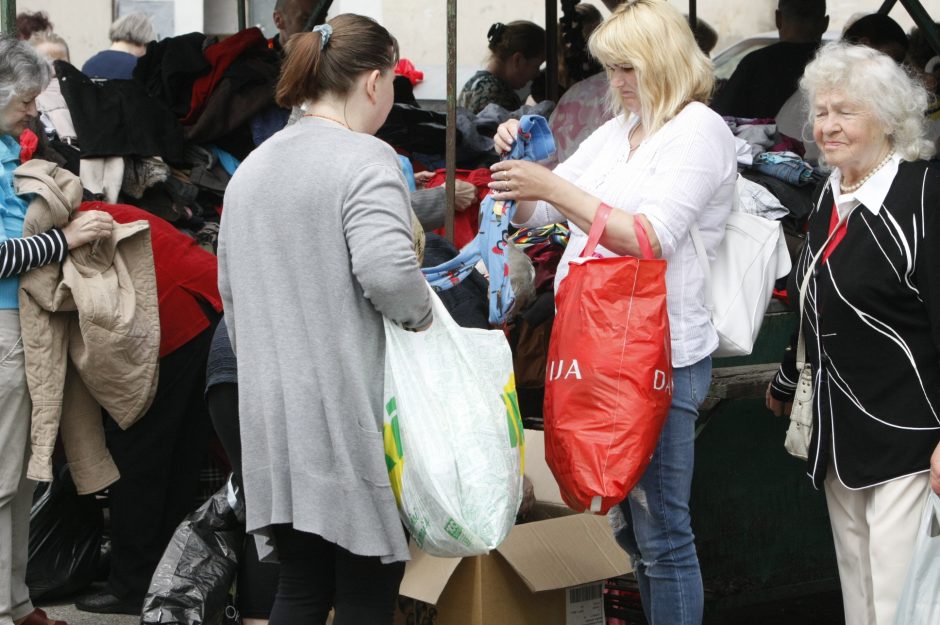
{"x":871,"y":327}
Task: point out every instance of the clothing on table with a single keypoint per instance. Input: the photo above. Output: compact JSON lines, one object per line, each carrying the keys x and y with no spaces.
{"x":582,"y":110}
{"x":696,"y":148}
{"x":787,"y":166}
{"x":307,"y":325}
{"x":317,"y":575}
{"x":241,"y":93}
{"x":119,"y":118}
{"x":764,"y":80}
{"x":51,"y":104}
{"x":170,"y":67}
{"x":220,"y":56}
{"x":484,"y":88}
{"x":110,"y":65}
{"x":876,"y":296}
{"x":656,"y":525}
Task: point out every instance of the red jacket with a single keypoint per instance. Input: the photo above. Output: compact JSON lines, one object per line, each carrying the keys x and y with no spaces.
{"x":186,"y":275}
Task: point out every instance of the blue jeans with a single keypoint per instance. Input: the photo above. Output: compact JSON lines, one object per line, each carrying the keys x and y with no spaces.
{"x":657,"y":530}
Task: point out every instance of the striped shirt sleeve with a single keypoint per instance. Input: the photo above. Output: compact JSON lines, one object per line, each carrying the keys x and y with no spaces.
{"x":20,"y":255}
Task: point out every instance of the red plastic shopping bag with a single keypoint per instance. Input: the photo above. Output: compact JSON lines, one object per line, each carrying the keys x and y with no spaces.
{"x":608,"y":384}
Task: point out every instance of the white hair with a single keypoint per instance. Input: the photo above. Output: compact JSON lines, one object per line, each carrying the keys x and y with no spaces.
{"x":22,"y":71}
{"x":133,"y":28}
{"x":875,"y":82}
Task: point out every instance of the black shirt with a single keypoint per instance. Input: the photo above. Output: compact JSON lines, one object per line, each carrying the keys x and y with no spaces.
{"x":764,"y":80}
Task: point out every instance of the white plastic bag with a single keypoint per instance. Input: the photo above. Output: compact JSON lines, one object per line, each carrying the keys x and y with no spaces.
{"x":453,"y":435}
{"x":920,"y":600}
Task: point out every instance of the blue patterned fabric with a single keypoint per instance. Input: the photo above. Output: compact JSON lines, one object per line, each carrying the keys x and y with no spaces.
{"x":534,"y":143}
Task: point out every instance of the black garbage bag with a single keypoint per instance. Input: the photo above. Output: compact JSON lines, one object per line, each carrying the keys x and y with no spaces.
{"x":192,"y":582}
{"x":64,"y":539}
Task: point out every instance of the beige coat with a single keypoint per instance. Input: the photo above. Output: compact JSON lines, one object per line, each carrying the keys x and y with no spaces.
{"x":91,"y":332}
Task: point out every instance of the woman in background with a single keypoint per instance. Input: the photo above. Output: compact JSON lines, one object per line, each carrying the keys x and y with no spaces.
{"x":517,"y":51}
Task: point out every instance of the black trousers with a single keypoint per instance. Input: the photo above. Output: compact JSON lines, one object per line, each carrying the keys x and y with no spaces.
{"x":257,"y":581}
{"x":159,"y":458}
{"x":317,"y":575}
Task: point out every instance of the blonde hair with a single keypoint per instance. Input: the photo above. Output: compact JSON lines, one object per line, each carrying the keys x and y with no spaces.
{"x":657,"y":41}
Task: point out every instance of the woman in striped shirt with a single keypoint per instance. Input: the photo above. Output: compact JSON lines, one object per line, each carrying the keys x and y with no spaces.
{"x":23,"y":75}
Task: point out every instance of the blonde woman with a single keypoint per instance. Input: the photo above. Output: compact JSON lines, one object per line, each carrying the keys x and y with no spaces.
{"x":668,"y":161}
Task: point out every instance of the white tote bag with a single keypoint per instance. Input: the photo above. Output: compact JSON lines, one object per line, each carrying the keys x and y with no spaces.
{"x":739,"y":282}
{"x":920,"y":599}
{"x":454,"y":441}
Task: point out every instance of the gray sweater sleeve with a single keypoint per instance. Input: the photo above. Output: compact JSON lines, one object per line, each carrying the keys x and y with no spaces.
{"x":377,"y":225}
{"x":429,"y":207}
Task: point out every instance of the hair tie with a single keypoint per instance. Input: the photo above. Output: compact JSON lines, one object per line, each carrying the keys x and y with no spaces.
{"x":325,"y":31}
{"x":496,"y":32}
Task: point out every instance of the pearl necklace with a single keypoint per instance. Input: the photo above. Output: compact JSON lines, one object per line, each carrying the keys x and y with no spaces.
{"x":327,"y":117}
{"x":858,"y":185}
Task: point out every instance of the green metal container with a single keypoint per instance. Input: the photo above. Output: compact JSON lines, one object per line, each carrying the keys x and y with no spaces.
{"x":762,"y":530}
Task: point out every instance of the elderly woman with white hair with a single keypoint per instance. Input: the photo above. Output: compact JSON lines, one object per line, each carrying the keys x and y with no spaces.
{"x":871,"y":320}
{"x":23,"y":75}
{"x":129,"y":35}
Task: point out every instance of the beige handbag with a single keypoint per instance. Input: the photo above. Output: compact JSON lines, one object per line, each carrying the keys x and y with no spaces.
{"x":800,"y":430}
{"x":801,"y":414}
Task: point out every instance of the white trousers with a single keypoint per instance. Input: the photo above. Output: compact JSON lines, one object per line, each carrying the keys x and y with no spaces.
{"x":874,"y":531}
{"x":16,"y":492}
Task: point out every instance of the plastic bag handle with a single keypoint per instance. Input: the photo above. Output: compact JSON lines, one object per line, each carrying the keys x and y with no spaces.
{"x":597,"y":229}
{"x":643,"y":239}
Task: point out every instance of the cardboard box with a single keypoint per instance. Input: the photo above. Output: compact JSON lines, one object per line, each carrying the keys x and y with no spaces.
{"x":548,"y":572}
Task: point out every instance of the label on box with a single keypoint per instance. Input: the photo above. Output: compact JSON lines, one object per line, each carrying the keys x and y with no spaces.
{"x":584,"y":605}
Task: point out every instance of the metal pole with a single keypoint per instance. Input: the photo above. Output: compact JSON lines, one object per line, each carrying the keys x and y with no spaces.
{"x":9,"y":16}
{"x":923,"y":21}
{"x":319,"y":15}
{"x":242,"y":15}
{"x":551,"y":50}
{"x":693,"y":13}
{"x":451,"y":148}
{"x":887,"y":6}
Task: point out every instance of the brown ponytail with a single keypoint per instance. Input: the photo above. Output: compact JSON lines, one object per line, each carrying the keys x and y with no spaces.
{"x":358,"y":44}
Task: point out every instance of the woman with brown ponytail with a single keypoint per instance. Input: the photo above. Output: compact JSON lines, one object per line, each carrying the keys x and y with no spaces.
{"x":518,"y":50}
{"x":315,"y":248}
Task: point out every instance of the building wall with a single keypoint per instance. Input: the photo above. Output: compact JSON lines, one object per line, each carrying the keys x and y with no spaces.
{"x":420,"y":25}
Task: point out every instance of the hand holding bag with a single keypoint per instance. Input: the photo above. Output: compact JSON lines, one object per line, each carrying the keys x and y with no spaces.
{"x":608,"y":383}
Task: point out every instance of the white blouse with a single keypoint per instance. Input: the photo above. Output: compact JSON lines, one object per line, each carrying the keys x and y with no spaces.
{"x":683,"y":174}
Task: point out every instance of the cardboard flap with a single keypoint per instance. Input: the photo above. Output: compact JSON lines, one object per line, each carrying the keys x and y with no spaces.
{"x":564,"y":552}
{"x":426,"y":575}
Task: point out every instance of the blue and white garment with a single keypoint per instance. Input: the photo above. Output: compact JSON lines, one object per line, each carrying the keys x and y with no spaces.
{"x":534,"y":143}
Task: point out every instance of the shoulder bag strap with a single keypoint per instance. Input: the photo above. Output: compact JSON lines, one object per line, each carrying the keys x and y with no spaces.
{"x":800,"y":344}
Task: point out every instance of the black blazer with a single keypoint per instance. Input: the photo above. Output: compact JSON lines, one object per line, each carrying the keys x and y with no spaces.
{"x":872,"y":332}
